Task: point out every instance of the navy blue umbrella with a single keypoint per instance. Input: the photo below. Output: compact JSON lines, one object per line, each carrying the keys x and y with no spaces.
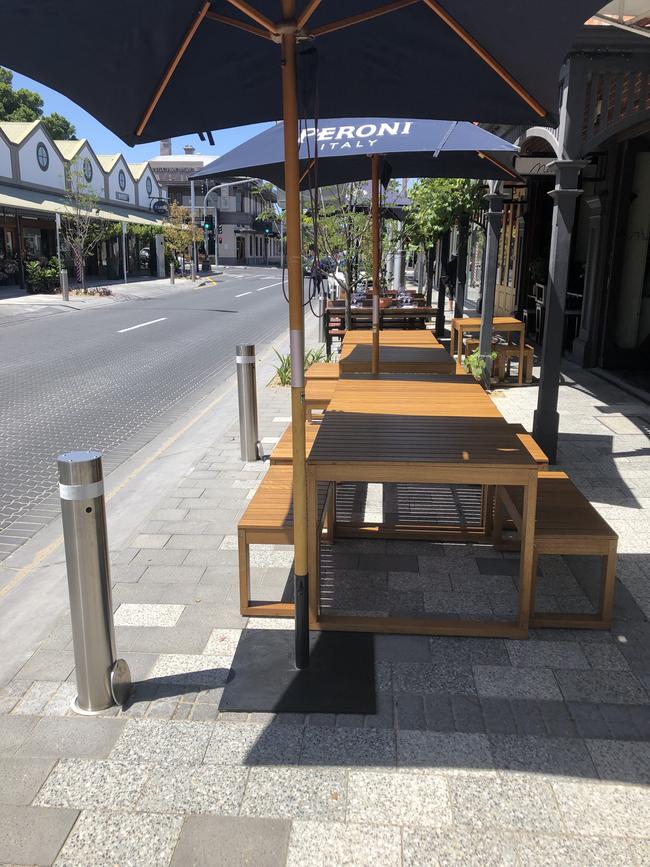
{"x":337,"y":151}
{"x":410,"y":149}
{"x":160,"y":68}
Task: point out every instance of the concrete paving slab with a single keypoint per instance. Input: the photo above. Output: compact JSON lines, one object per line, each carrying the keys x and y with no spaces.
{"x":314,"y":843}
{"x":33,"y":835}
{"x":398,"y":799}
{"x":229,"y":841}
{"x":22,"y":778}
{"x":89,"y":784}
{"x":296,"y":793}
{"x":80,"y":737}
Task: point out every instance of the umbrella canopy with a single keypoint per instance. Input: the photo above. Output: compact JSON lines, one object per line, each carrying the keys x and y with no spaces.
{"x":411,"y":148}
{"x":148,"y":70}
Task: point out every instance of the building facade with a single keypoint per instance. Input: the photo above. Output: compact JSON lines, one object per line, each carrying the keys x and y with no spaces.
{"x":235,"y":209}
{"x":35,"y":176}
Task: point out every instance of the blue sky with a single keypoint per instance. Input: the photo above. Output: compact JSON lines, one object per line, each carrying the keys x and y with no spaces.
{"x":104,"y":141}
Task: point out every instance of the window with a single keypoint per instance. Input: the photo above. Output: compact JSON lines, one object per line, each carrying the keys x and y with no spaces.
{"x":42,"y":156}
{"x":88,"y":170}
{"x":148,"y":185}
{"x":121,"y":179}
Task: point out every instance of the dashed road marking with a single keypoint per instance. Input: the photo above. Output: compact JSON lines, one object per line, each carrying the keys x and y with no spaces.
{"x":142,"y":325}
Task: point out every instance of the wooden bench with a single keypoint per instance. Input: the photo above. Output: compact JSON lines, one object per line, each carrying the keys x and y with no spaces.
{"x":322,"y":370}
{"x":318,"y":394}
{"x":566,"y":523}
{"x":282,"y":454}
{"x":268,"y":520}
{"x":505,"y":353}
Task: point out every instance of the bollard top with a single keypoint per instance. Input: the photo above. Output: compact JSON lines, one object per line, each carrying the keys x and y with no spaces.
{"x":245,"y":349}
{"x":80,"y":467}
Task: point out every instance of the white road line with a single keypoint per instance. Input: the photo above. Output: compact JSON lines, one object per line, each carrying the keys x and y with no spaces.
{"x":142,"y":324}
{"x":242,"y":294}
{"x":269,"y":286}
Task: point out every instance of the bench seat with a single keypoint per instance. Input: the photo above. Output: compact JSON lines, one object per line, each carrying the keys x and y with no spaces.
{"x":565,"y":523}
{"x":268,"y":520}
{"x":283,"y":451}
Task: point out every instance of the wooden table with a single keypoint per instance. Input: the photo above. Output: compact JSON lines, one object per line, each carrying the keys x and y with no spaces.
{"x":377,"y":433}
{"x":318,"y":393}
{"x":415,"y":316}
{"x":322,"y":370}
{"x":394,"y":337}
{"x":357,"y":358}
{"x":506,"y":324}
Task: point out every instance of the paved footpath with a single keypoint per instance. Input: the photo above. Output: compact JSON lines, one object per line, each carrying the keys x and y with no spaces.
{"x":481,"y":752}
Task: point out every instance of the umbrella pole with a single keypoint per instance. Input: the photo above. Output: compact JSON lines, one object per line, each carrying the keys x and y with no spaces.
{"x":296,"y":333}
{"x":375,"y":158}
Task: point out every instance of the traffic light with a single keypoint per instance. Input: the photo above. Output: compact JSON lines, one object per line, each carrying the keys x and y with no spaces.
{"x":208,"y":222}
{"x":267,"y":230}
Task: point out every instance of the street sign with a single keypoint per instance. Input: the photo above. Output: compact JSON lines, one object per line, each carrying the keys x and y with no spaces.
{"x":160,"y":207}
{"x":534,"y":165}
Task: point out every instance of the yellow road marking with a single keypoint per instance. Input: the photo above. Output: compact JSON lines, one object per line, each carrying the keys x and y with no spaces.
{"x":45,"y":552}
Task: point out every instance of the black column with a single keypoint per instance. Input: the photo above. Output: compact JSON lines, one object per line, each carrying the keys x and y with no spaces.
{"x":489,"y":281}
{"x":565,"y":195}
{"x":461,"y":272}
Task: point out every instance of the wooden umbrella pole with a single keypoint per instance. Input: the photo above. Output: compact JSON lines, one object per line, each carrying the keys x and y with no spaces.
{"x":296,"y":331}
{"x":374,"y":209}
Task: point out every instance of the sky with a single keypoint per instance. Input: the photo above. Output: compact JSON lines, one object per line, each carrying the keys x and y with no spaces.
{"x":103,"y":141}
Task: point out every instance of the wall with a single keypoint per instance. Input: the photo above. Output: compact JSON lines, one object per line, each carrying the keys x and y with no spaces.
{"x":97,"y":180}
{"x":114,"y":186}
{"x":144,"y":197}
{"x":31,"y":172}
{"x":5,"y":159}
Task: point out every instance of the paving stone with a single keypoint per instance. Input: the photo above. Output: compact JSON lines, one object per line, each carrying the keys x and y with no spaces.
{"x":564,"y":756}
{"x":468,"y":716}
{"x":82,"y":783}
{"x":150,"y":540}
{"x":409,"y":709}
{"x":502,"y":682}
{"x":458,"y":848}
{"x":546,"y":654}
{"x":348,"y":747}
{"x":36,"y":697}
{"x":314,"y":844}
{"x":443,"y":753}
{"x":194,"y":790}
{"x":147,"y":615}
{"x":402,"y":648}
{"x":528,"y":717}
{"x":439,"y":713}
{"x":620,"y":720}
{"x":222,"y":642}
{"x":162,"y":742}
{"x":127,"y":839}
{"x":557,"y":719}
{"x":571,"y":852}
{"x":172,"y":574}
{"x":621,"y":761}
{"x":68,"y":737}
{"x":396,"y":799}
{"x":22,"y":778}
{"x":468,"y":651}
{"x":159,"y":557}
{"x":511,"y":804}
{"x":498,"y":716}
{"x":298,"y":793}
{"x":187,"y":670}
{"x":229,"y":841}
{"x":33,"y":835}
{"x":604,"y":809}
{"x":605,"y":657}
{"x":427,"y":679}
{"x":602,"y":686}
{"x":48,"y":665}
{"x":251,"y":744}
{"x":589,"y":720}
{"x":11,"y":693}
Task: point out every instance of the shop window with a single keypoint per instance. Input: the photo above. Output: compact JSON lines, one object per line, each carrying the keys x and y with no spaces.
{"x":32,"y":242}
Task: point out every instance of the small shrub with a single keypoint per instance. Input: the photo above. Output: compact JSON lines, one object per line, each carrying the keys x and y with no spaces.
{"x":476,"y":365}
{"x":283,"y":368}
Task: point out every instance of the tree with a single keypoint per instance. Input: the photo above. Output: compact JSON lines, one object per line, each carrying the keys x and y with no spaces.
{"x":81,"y":227}
{"x":27,"y":105}
{"x":179,"y":233}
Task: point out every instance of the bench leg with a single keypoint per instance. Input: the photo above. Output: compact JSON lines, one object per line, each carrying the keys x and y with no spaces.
{"x":244,"y":572}
{"x":498,"y":519}
{"x":330,"y":522}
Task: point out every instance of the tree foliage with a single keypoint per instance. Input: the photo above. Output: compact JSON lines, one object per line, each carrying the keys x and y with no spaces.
{"x":81,"y":227}
{"x":25,"y":105}
{"x":178,"y":231}
{"x":437,"y":203}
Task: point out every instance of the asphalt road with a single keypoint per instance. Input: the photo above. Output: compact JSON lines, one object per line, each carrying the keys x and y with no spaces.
{"x":114,"y":377}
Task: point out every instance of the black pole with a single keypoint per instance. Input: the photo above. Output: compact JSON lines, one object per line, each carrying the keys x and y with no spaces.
{"x":461,"y":269}
{"x":442,"y":278}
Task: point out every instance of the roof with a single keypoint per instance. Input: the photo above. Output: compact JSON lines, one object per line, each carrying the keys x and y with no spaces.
{"x":32,"y":200}
{"x":108,"y":161}
{"x":137,"y":169}
{"x":17,"y":131}
{"x":70,"y":148}
{"x":167,"y":159}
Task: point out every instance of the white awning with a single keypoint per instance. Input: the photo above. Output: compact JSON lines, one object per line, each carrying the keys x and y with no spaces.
{"x":41,"y":203}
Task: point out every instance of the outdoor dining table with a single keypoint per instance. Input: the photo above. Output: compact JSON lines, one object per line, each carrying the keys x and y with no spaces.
{"x":506,"y":324}
{"x":424,"y":433}
{"x":414,"y":315}
{"x":396,"y":356}
{"x":394,"y":337}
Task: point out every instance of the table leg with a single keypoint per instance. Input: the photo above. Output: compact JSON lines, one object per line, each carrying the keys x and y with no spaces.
{"x":313,"y":546}
{"x":522,"y":343}
{"x":527,"y":558}
{"x":452,"y":340}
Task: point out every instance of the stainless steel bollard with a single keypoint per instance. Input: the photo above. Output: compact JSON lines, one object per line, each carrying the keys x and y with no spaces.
{"x":65,"y":294}
{"x":322,"y":303}
{"x":102,"y":680}
{"x":247,"y":392}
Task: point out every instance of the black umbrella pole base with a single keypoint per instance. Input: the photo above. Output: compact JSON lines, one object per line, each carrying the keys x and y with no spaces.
{"x":301,"y":599}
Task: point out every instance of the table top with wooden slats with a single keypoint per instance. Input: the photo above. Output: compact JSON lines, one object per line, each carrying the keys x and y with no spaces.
{"x":447,"y":396}
{"x":395,"y":337}
{"x":498,"y":322}
{"x":318,"y":392}
{"x":357,"y":358}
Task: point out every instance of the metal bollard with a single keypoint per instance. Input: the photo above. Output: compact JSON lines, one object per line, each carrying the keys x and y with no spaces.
{"x":65,"y":295}
{"x":321,"y":317}
{"x":247,"y":392}
{"x":102,"y":680}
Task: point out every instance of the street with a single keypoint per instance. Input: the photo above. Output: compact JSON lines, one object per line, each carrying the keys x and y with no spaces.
{"x":113,"y":376}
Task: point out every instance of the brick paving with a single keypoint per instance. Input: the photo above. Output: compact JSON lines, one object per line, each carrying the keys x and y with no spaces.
{"x":481,"y":751}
